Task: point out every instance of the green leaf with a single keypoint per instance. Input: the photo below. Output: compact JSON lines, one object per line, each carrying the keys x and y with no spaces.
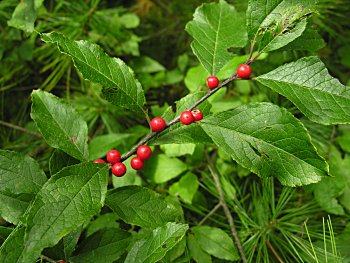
{"x":344,"y":138}
{"x":154,"y":246}
{"x":66,"y":201}
{"x":141,"y":206}
{"x":120,"y":86}
{"x":195,"y":78}
{"x":175,"y":252}
{"x":216,"y":27}
{"x":130,"y":177}
{"x":179,"y":133}
{"x":59,"y":123}
{"x":310,"y":40}
{"x":307,"y":83}
{"x":215,"y":242}
{"x":176,"y":150}
{"x":12,"y":207}
{"x":101,"y":222}
{"x":20,"y":173}
{"x":60,"y":160}
{"x":4,"y":233}
{"x":12,"y":248}
{"x":196,"y":252}
{"x":161,"y":168}
{"x":269,"y":141}
{"x":146,"y":64}
{"x":106,"y":245}
{"x":186,"y":187}
{"x":100,"y":145}
{"x":274,"y":24}
{"x":25,"y":14}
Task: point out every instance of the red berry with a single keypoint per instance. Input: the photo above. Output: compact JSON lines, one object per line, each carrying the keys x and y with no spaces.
{"x":136,"y":163}
{"x":144,"y":152}
{"x":118,"y":169}
{"x":197,"y":115}
{"x":113,"y":156}
{"x":158,"y":124}
{"x":62,"y":261}
{"x":212,"y":82}
{"x":244,"y":71}
{"x":186,"y":117}
{"x":99,"y":161}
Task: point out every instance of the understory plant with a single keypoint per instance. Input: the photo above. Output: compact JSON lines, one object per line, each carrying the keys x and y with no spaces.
{"x":248,"y":166}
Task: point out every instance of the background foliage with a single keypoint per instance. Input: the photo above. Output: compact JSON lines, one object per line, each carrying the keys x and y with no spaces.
{"x":275,"y":223}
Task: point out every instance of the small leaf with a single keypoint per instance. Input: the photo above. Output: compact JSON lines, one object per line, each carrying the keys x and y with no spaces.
{"x":269,"y":141}
{"x":186,"y":187}
{"x":176,"y":150}
{"x":216,"y":27}
{"x":12,"y":248}
{"x":161,"y":168}
{"x":141,"y":206}
{"x":179,"y":133}
{"x":12,"y":207}
{"x":106,"y":245}
{"x":154,"y":246}
{"x":195,"y":78}
{"x":61,"y":126}
{"x":25,"y":14}
{"x":120,"y":86}
{"x":196,"y":252}
{"x":20,"y":173}
{"x":215,"y":242}
{"x":66,"y":201}
{"x":307,"y":83}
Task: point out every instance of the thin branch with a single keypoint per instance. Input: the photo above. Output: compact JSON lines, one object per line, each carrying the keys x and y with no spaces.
{"x":19,"y":128}
{"x":274,"y":252}
{"x":47,"y":259}
{"x":210,"y":213}
{"x":227,"y":211}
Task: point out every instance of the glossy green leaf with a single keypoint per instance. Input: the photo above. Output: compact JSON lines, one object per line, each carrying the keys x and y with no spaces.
{"x":12,"y":207}
{"x":106,"y":245}
{"x":120,"y":86}
{"x":269,"y":141}
{"x":105,"y":220}
{"x":215,"y":242}
{"x":160,"y":168}
{"x":25,"y":14}
{"x":195,"y":78}
{"x":59,"y":123}
{"x":154,"y":246}
{"x":131,"y":177}
{"x":196,"y":252}
{"x":141,"y":206}
{"x":146,"y":64}
{"x":173,"y":254}
{"x":186,"y":187}
{"x":216,"y":27}
{"x":274,"y":24}
{"x":66,"y":201}
{"x":12,"y":248}
{"x":176,"y":150}
{"x":179,"y":133}
{"x":20,"y":173}
{"x":60,"y":160}
{"x":307,"y":83}
{"x":310,"y":40}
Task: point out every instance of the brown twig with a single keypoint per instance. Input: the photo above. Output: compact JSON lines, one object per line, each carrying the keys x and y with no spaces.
{"x":48,"y":259}
{"x":218,"y":205}
{"x":274,"y":252}
{"x":227,"y":211}
{"x":19,"y":128}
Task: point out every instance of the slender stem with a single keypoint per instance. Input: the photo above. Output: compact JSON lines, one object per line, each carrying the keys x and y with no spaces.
{"x":218,"y":205}
{"x":19,"y":128}
{"x":47,"y":259}
{"x":274,"y":252}
{"x":177,"y":119}
{"x":227,"y":211}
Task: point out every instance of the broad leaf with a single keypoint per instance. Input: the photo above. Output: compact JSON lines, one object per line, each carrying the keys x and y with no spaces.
{"x":215,"y":242}
{"x":216,"y":27}
{"x":269,"y":141}
{"x":4,"y":233}
{"x":307,"y":83}
{"x":12,"y":248}
{"x":120,"y":86}
{"x":61,"y":126}
{"x":141,"y":206}
{"x":106,"y":245}
{"x":176,"y":150}
{"x":12,"y":207}
{"x":101,"y":222}
{"x":186,"y":187}
{"x":196,"y":252}
{"x":274,"y":24}
{"x":160,"y":168}
{"x":25,"y":14}
{"x":66,"y":201}
{"x":179,"y":133}
{"x":310,"y":40}
{"x":60,"y":160}
{"x":153,"y":247}
{"x":20,"y":173}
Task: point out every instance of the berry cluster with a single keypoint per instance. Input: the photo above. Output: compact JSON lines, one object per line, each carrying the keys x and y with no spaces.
{"x":158,"y":124}
{"x":113,"y":157}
